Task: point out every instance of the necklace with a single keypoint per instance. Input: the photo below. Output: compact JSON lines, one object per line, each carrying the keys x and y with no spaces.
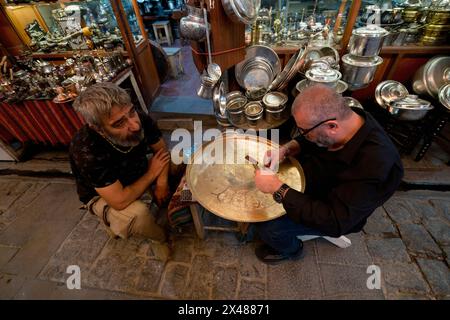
{"x":114,"y":146}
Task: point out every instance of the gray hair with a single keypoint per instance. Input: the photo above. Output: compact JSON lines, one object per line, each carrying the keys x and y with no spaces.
{"x":95,"y":103}
{"x":321,"y":102}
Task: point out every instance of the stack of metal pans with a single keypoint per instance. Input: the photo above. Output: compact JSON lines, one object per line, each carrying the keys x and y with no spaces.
{"x":290,"y":70}
{"x":259,"y":68}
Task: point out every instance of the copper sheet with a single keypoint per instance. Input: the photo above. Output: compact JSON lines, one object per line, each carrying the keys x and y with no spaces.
{"x":228,"y":190}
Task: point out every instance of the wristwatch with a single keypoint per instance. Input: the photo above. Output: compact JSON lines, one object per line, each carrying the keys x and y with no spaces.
{"x":278,"y":195}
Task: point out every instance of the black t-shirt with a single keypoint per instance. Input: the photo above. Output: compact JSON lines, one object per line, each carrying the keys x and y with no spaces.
{"x":344,"y":187}
{"x":96,"y":163}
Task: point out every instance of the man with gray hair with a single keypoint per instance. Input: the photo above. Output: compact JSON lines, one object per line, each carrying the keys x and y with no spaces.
{"x":109,"y":160}
{"x":351,"y":167}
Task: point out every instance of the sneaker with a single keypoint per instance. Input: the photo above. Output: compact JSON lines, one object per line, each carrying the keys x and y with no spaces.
{"x":268,"y":255}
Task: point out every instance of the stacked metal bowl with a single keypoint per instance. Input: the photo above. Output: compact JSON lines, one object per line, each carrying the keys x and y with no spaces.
{"x":259,"y":68}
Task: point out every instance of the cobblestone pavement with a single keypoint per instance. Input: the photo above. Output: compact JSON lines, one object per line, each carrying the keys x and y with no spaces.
{"x":43,"y":231}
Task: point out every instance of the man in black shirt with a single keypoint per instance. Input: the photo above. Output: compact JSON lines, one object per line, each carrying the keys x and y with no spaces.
{"x":109,"y":160}
{"x":351,"y":168}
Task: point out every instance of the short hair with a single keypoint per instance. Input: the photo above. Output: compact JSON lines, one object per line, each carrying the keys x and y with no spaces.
{"x":95,"y":103}
{"x":321,"y":102}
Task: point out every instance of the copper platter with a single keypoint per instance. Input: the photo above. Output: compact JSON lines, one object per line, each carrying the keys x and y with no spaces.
{"x":228,"y":189}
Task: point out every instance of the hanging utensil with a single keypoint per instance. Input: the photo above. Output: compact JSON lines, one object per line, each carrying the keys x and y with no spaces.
{"x":205,"y":14}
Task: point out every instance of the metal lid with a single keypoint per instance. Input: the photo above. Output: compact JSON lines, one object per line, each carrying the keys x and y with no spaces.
{"x":389,"y":91}
{"x":322,"y":74}
{"x":371,"y":30}
{"x":362,"y":61}
{"x":253,"y":109}
{"x":275,"y":99}
{"x":412,"y":101}
{"x":444,"y":96}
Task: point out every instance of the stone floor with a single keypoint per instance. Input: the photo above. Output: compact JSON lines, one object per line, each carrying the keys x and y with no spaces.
{"x":43,"y":231}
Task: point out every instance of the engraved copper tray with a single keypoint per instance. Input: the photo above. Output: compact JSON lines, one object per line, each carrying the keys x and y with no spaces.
{"x":227,"y":189}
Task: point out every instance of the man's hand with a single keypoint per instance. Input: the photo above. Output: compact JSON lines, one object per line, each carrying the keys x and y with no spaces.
{"x":162,"y":193}
{"x":267,"y":181}
{"x":157,"y":163}
{"x":273,"y":157}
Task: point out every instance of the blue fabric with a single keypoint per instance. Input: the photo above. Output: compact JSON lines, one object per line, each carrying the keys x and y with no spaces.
{"x":281,"y":234}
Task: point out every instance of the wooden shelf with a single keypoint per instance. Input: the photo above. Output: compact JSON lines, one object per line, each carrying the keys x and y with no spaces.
{"x":67,"y":54}
{"x":414,"y":49}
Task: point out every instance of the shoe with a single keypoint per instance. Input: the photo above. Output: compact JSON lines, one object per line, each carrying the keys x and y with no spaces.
{"x":268,"y":255}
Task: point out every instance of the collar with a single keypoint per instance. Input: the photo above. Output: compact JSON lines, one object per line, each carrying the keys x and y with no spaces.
{"x":348,"y":152}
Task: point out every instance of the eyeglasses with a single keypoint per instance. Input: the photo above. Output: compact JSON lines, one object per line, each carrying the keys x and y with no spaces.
{"x":303,"y":132}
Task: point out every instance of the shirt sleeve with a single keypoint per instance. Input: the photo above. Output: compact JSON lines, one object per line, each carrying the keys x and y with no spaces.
{"x":151,"y":130}
{"x":346,"y":206}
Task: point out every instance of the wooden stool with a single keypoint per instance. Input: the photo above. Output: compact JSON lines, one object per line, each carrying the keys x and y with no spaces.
{"x":175,"y":61}
{"x":198,"y":213}
{"x":158,"y":28}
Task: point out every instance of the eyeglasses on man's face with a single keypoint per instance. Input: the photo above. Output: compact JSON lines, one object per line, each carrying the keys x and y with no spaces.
{"x":303,"y":132}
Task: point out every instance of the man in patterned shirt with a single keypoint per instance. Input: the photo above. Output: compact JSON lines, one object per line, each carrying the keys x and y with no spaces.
{"x":109,"y":160}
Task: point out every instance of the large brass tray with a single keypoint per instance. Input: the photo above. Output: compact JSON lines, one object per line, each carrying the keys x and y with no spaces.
{"x":227,"y":189}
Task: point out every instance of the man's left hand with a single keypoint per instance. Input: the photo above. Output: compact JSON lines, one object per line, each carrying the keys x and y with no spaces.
{"x":267,"y":181}
{"x":162,"y":193}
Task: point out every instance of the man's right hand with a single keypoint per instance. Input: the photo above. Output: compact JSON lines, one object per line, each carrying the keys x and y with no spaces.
{"x":273,"y":157}
{"x":157,"y":163}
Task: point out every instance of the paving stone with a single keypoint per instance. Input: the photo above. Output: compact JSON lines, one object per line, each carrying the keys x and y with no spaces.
{"x":124,"y":277}
{"x":392,"y":249}
{"x":200,"y":278}
{"x":437,"y":274}
{"x":379,"y":223}
{"x":36,"y":290}
{"x":426,"y":209}
{"x":150,"y":276}
{"x":18,"y":208}
{"x":443,"y":207}
{"x":6,"y":253}
{"x":356,"y":254}
{"x":375,"y":295}
{"x":99,"y":275}
{"x":10,"y":285}
{"x":400,"y":211}
{"x":226,"y":254}
{"x":407,"y":296}
{"x":252,"y":290}
{"x":417,"y":239}
{"x":295,"y":279}
{"x":175,"y":280}
{"x":56,"y":208}
{"x":224,"y":283}
{"x":447,"y":253}
{"x":347,"y":280}
{"x":249,"y":265}
{"x":439,"y":229}
{"x":404,"y":278}
{"x":183,"y":250}
{"x":55,"y":270}
{"x":10,"y":191}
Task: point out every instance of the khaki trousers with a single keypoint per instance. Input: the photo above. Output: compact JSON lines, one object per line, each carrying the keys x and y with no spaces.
{"x":136,"y":219}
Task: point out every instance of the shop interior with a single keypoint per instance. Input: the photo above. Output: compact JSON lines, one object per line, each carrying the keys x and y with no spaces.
{"x":160,"y":51}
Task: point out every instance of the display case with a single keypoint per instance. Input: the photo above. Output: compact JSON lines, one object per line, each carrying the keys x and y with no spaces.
{"x":51,"y":52}
{"x":60,"y":27}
